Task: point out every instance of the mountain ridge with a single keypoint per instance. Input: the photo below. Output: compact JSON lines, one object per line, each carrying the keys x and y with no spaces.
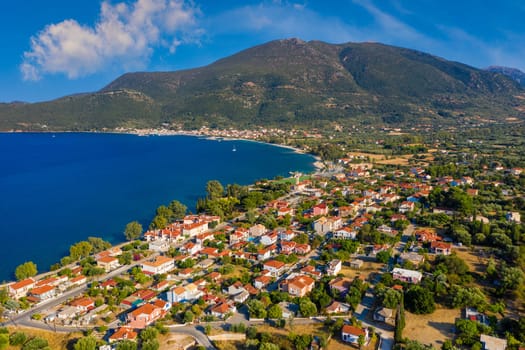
{"x":287,"y":82}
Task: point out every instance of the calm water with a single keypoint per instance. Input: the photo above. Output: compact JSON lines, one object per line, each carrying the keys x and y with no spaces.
{"x":56,"y":190}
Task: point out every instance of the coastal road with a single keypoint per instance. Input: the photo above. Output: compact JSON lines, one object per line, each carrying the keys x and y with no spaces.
{"x":24,"y":318}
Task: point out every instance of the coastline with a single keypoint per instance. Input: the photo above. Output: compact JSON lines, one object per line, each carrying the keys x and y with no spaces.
{"x":317,"y":164}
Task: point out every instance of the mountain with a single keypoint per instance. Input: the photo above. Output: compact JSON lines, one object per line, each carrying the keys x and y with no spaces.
{"x":513,"y":73}
{"x":284,"y":83}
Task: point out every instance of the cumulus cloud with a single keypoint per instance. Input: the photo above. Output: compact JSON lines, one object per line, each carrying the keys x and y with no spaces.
{"x":125,"y":35}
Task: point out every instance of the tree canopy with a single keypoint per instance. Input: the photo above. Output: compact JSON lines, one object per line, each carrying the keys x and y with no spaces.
{"x":26,"y":270}
{"x":133,"y":230}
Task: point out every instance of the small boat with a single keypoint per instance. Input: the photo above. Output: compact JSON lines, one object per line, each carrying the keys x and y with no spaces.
{"x":234,"y":149}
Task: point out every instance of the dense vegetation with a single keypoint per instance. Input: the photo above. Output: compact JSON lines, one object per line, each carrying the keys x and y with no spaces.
{"x":286,"y":83}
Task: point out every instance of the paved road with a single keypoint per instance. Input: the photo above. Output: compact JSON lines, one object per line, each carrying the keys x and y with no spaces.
{"x":24,"y":318}
{"x":194,"y":331}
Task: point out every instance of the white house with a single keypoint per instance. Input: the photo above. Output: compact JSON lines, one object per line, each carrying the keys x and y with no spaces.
{"x":275,"y":267}
{"x":405,"y":275}
{"x":20,"y":289}
{"x":161,"y":264}
{"x":350,"y":334}
{"x":333,"y":267}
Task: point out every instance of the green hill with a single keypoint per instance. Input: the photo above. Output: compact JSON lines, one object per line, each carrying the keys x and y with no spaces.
{"x":284,"y":83}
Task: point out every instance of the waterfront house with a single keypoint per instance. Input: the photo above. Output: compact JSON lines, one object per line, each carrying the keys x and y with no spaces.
{"x":19,"y":289}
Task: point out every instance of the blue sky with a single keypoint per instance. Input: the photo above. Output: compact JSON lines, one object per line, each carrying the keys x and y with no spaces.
{"x":54,"y":48}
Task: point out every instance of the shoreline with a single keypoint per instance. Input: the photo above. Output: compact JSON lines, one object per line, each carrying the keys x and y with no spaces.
{"x":317,"y":164}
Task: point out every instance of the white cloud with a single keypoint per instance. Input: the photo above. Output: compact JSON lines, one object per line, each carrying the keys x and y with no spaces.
{"x":124,"y":35}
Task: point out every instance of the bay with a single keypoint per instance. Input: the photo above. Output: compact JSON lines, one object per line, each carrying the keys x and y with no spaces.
{"x":58,"y":189}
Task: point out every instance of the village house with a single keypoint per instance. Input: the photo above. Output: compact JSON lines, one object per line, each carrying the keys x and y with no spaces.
{"x":492,"y":343}
{"x":274,"y":267}
{"x":19,"y":289}
{"x":298,"y":285}
{"x":286,"y":235}
{"x":123,"y":333}
{"x":302,"y":249}
{"x":108,"y":263}
{"x":287,"y":247}
{"x":341,"y":284}
{"x":257,"y":230}
{"x":269,"y":238}
{"x":83,"y":304}
{"x":194,"y":229}
{"x":346,"y":232}
{"x":42,"y":293}
{"x":405,"y":275}
{"x":159,"y":246}
{"x":221,"y":309}
{"x":441,"y":248}
{"x":351,"y":334}
{"x":337,"y":308}
{"x":320,"y":209}
{"x":161,"y":264}
{"x":262,"y":281}
{"x":333,"y":267}
{"x":385,"y":315}
{"x":78,"y":280}
{"x":356,"y":264}
{"x":144,"y":315}
{"x":324,"y":225}
{"x":406,"y":206}
{"x":190,"y":248}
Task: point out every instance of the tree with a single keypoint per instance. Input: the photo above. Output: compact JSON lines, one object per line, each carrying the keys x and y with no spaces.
{"x":307,"y":308}
{"x":80,"y":250}
{"x":17,"y":338}
{"x":152,"y":344}
{"x":86,"y":343}
{"x":149,"y":333}
{"x":383,"y":256}
{"x":36,"y":343}
{"x":4,"y":341}
{"x":256,"y":309}
{"x":275,"y":312}
{"x":214,"y":190}
{"x":178,"y":210}
{"x":26,"y":270}
{"x":188,"y":317}
{"x":126,"y":345}
{"x":361,"y":341}
{"x":419,"y":300}
{"x":133,"y":230}
{"x":158,"y":222}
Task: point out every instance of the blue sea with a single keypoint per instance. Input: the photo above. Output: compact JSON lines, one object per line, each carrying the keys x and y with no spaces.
{"x":58,"y":189}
